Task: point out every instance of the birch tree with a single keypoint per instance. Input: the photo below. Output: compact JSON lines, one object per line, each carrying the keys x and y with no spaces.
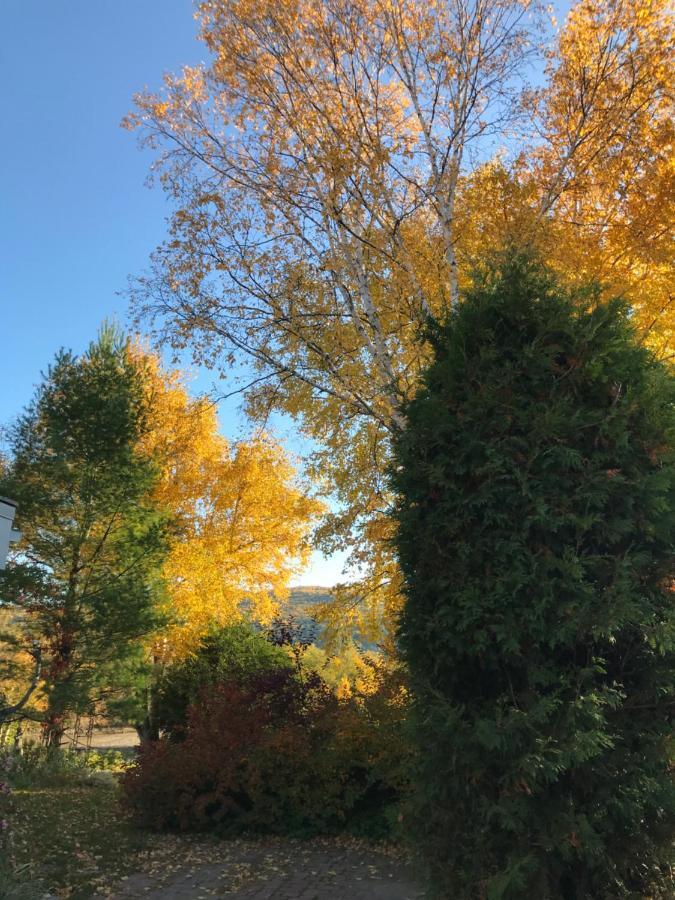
{"x":321,"y":167}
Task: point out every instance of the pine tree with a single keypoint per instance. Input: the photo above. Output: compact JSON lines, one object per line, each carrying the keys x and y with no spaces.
{"x":85,"y":577}
{"x":535,"y":481}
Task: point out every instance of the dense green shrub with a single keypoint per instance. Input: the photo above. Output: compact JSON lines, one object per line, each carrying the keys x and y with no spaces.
{"x":277,"y":752}
{"x":535,"y":484}
{"x":233,"y":653}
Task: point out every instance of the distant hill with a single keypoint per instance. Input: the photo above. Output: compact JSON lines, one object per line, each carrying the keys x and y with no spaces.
{"x":299,"y":606}
{"x":305,"y":596}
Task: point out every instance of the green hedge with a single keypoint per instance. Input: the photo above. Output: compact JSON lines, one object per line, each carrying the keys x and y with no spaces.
{"x":535,"y":483}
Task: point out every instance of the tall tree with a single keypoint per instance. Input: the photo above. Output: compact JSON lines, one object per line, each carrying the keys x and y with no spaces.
{"x":241,"y":526}
{"x":599,"y":184}
{"x":86,"y":574}
{"x":321,"y":167}
{"x":536,"y":526}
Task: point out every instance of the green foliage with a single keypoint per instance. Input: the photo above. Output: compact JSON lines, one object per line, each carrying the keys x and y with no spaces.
{"x":535,"y":484}
{"x":36,"y":766}
{"x":233,"y":653}
{"x":85,"y":576}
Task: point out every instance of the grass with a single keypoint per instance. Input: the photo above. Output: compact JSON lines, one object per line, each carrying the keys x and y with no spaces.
{"x":71,"y":840}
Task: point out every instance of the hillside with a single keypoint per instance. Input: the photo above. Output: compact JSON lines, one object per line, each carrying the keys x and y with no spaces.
{"x":300,"y":604}
{"x":299,"y":607}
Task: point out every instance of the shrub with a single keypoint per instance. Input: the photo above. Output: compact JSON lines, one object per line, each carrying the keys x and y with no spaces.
{"x":39,"y":766}
{"x":233,"y":653}
{"x":277,"y":753}
{"x":535,"y":479}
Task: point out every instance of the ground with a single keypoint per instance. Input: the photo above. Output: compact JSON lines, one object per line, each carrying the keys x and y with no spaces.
{"x":269,"y":870}
{"x":72,"y":841}
{"x":107,"y":739}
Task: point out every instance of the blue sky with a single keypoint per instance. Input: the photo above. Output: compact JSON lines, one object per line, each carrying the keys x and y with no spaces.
{"x":76,"y":218}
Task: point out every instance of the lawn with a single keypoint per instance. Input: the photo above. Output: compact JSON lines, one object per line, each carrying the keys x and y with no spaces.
{"x":72,"y":840}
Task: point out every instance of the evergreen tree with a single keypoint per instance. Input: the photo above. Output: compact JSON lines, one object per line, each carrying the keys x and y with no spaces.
{"x":535,"y":481}
{"x":85,"y":577}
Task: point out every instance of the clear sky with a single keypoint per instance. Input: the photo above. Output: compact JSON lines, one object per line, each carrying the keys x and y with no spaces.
{"x":75,"y":215}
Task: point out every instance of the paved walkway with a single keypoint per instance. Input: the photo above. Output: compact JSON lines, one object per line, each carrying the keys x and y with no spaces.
{"x":272,"y":870}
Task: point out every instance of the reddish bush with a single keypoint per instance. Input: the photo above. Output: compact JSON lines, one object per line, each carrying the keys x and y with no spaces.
{"x":278,"y":754}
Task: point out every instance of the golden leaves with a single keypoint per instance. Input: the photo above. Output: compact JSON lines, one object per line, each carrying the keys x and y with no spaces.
{"x":243,"y":521}
{"x":329,"y":199}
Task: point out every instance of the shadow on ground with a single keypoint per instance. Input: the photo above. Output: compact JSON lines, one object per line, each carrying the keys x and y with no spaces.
{"x":277,"y":869}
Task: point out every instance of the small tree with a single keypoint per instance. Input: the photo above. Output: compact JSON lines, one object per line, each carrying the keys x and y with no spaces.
{"x":85,"y":575}
{"x":535,"y":481}
{"x":235,"y":653}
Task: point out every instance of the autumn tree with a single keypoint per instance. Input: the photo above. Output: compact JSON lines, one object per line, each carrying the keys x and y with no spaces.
{"x":241,"y":518}
{"x":324,"y":166}
{"x":122,"y":457}
{"x":20,"y":670}
{"x":86,"y":574}
{"x":596,"y":192}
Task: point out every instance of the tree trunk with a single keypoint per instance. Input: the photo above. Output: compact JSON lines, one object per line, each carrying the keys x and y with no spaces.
{"x":148,"y":729}
{"x":59,"y":675}
{"x":53,"y":729}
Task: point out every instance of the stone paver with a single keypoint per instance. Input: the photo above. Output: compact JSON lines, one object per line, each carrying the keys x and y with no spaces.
{"x":278,"y":870}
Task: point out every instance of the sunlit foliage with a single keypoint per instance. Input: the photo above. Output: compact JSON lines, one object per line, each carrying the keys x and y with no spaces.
{"x":241,"y":518}
{"x":337,"y":168}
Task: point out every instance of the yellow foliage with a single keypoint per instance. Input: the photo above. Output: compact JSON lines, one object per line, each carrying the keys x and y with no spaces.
{"x":242,"y":520}
{"x":17,"y":665}
{"x":347,"y":672}
{"x":332,"y":190}
{"x":343,"y":690}
{"x":596,"y":196}
{"x":606,"y":170}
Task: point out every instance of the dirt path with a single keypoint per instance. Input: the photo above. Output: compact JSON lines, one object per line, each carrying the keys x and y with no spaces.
{"x":269,"y":870}
{"x":105,"y":739}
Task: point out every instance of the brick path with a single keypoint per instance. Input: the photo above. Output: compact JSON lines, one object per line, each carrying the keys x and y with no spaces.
{"x":275,"y":870}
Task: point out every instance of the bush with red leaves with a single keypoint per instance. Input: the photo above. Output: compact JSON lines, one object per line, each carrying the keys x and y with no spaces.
{"x":279,"y":753}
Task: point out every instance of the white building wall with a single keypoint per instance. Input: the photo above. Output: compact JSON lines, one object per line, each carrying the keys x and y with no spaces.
{"x":8,"y":534}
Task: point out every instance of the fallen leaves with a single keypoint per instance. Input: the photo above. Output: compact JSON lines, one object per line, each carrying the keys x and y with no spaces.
{"x":74,"y":843}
